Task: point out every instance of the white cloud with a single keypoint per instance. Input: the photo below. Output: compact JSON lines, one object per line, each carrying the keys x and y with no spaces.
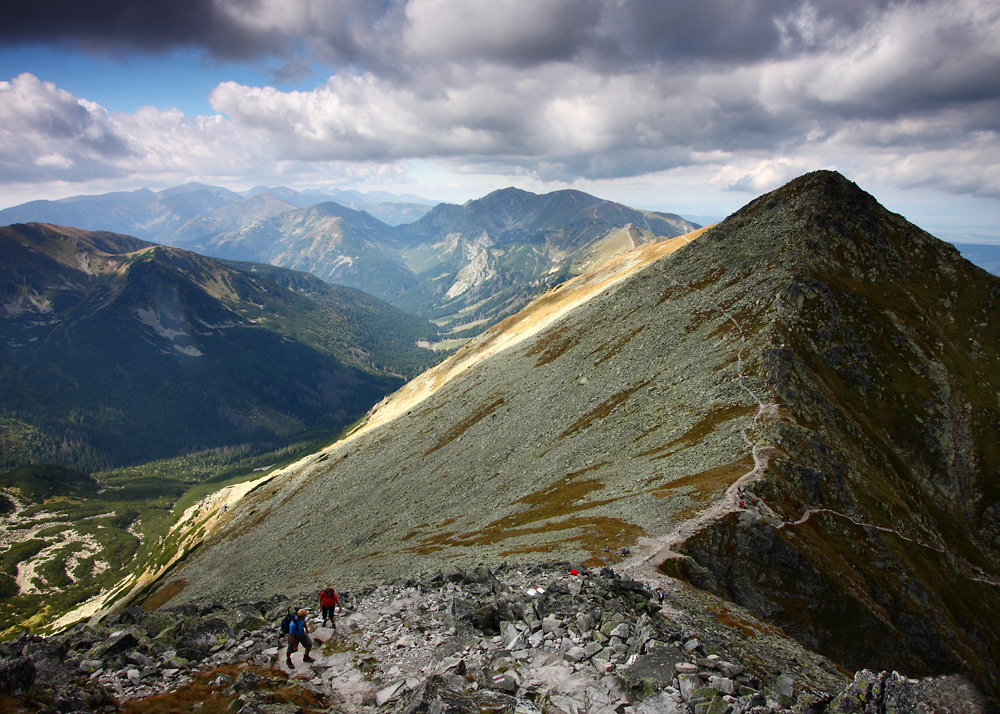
{"x":751,"y":94}
{"x":46,"y":133}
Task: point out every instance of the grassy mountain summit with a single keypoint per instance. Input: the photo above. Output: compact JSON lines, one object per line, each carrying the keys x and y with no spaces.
{"x":795,"y":410}
{"x":118,"y":351}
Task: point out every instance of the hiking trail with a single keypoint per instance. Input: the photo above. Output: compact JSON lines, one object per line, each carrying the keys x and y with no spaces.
{"x":653,"y":552}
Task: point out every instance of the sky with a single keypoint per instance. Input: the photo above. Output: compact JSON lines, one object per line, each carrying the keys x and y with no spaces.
{"x":676,"y":105}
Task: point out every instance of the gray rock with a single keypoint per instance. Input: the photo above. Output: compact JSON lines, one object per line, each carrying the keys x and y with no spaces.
{"x":662,"y":702}
{"x":16,"y":675}
{"x":722,"y":684}
{"x":688,"y":685}
{"x":785,"y":686}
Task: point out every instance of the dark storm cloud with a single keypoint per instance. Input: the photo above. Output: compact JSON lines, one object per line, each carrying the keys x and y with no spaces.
{"x":513,"y":31}
{"x":116,"y":25}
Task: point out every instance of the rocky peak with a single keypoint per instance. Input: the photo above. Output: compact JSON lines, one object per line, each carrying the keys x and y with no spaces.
{"x":795,"y":412}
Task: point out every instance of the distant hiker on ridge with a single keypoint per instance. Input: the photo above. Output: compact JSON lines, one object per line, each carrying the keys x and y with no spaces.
{"x":327,"y":601}
{"x":298,"y":631}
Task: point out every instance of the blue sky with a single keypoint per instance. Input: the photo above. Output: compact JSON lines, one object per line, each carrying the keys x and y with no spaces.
{"x":663,"y":104}
{"x":181,"y":79}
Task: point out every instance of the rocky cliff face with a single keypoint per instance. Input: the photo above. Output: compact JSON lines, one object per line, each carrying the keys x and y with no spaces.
{"x":797,"y":412}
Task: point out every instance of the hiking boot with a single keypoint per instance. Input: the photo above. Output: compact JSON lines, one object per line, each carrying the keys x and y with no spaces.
{"x":307,"y":658}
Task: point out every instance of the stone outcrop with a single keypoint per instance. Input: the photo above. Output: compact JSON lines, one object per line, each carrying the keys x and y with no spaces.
{"x":535,"y":641}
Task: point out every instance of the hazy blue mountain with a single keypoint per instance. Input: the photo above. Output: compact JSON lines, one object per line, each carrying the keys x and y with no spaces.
{"x":985,"y":255}
{"x":388,"y":208}
{"x":141,"y":213}
{"x":227,"y":218}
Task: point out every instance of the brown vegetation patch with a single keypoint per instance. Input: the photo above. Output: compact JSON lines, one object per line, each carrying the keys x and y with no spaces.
{"x":710,"y":277}
{"x":697,"y":317}
{"x":554,"y":343}
{"x":164,"y":595}
{"x":749,"y":628}
{"x":550,"y":511}
{"x":670,"y":291}
{"x":201,"y":696}
{"x":702,"y":428}
{"x":603,"y":409}
{"x":726,"y":327}
{"x":709,"y":482}
{"x":461,"y":427}
{"x":592,"y":536}
{"x":615,"y":347}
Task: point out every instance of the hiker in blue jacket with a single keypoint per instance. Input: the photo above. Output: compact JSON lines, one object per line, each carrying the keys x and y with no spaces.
{"x":298,"y":631}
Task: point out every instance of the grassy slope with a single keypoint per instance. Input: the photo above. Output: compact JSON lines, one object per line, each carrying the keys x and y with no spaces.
{"x":90,"y":387}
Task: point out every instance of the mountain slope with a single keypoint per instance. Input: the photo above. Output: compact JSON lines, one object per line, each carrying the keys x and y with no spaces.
{"x":816,"y":350}
{"x":335,"y":243}
{"x":116,"y":351}
{"x":484,"y":260}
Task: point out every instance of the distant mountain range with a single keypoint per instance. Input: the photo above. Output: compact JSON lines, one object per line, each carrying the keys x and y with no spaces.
{"x":985,"y":255}
{"x":465,"y":267}
{"x":116,"y":350}
{"x":155,"y":215}
{"x":794,"y":411}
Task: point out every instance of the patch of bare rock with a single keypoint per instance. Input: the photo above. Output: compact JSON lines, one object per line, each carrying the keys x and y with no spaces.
{"x":547,"y":639}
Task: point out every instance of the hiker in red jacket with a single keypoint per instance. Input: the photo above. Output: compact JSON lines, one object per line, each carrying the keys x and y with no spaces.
{"x":327,"y":601}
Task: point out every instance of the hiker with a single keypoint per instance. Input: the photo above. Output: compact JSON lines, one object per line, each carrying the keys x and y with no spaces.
{"x":298,"y":631}
{"x":327,"y":601}
{"x":659,"y":595}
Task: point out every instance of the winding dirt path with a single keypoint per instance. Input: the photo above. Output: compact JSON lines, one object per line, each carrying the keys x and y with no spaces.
{"x":651,"y":553}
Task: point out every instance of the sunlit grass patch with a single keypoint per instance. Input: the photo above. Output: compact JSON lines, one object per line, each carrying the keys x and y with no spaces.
{"x":202,"y":696}
{"x":710,"y":421}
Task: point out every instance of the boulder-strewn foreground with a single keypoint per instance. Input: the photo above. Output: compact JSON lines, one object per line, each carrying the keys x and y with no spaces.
{"x":553,"y":639}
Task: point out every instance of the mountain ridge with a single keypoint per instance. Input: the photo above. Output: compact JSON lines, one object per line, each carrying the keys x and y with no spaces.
{"x":100,"y":331}
{"x":639,"y":411}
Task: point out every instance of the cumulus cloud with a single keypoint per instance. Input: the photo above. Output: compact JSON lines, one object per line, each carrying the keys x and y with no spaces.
{"x":758,"y":90}
{"x":46,"y":134}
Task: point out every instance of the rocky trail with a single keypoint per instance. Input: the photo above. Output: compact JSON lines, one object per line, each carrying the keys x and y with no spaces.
{"x":548,"y":639}
{"x":651,"y":553}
